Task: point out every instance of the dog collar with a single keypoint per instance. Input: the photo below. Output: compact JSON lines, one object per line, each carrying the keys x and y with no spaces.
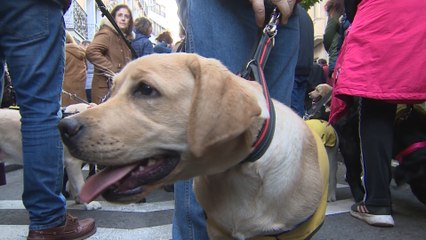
{"x":264,"y":137}
{"x":413,"y":147}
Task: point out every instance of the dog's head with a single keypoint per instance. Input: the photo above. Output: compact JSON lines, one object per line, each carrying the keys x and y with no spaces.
{"x":321,"y":90}
{"x":170,"y":117}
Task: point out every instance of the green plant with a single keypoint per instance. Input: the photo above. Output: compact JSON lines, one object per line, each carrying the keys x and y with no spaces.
{"x":306,"y":4}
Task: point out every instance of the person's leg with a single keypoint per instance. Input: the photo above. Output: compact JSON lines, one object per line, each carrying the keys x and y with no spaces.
{"x":376,"y":135}
{"x":214,"y":36}
{"x":2,"y":82}
{"x":2,"y":166}
{"x":281,"y":65}
{"x":188,"y":219}
{"x":347,"y":130}
{"x":226,"y":30}
{"x":37,"y":78}
{"x":229,"y":34}
{"x":298,"y":95}
{"x":376,"y":138}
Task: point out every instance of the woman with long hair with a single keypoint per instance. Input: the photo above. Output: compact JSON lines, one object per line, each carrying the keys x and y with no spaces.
{"x":108,"y":52}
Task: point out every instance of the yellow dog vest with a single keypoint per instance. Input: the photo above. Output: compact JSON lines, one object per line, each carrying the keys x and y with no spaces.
{"x":310,"y":226}
{"x":324,"y":130}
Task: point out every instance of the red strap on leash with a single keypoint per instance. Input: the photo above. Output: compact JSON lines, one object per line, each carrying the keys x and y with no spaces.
{"x":254,"y":72}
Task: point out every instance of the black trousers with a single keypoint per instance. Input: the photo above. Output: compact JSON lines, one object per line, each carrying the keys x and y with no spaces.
{"x":366,"y":141}
{"x":376,"y":131}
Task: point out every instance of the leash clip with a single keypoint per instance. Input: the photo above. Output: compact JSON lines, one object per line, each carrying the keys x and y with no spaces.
{"x":271,"y":28}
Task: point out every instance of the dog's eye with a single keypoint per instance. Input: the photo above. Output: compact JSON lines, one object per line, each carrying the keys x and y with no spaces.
{"x":144,"y":89}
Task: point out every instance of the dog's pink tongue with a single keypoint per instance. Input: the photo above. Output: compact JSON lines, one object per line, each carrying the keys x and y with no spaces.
{"x":97,"y":183}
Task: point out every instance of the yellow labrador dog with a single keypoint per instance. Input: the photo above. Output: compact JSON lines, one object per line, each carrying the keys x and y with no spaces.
{"x":11,"y":150}
{"x":178,"y":116}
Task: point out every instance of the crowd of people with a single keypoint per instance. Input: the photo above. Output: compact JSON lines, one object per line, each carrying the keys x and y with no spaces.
{"x":366,"y":78}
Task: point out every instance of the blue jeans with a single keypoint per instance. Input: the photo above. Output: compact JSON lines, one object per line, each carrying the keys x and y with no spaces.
{"x":226,"y":30}
{"x":298,"y":94}
{"x":188,"y":219}
{"x":32,"y":40}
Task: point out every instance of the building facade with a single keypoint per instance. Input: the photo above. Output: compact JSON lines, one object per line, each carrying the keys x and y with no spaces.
{"x":319,"y":18}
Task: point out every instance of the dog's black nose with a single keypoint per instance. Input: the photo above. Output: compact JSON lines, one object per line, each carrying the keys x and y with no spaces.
{"x":69,"y":127}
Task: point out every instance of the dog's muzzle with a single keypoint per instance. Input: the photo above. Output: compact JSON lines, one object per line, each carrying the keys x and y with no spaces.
{"x":118,"y":183}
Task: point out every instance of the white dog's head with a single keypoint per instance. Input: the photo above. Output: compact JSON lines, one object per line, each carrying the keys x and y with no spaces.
{"x":170,"y":117}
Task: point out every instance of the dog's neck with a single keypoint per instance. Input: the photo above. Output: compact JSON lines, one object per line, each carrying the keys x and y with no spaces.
{"x":265,"y":135}
{"x":255,"y":186}
{"x":263,"y":138}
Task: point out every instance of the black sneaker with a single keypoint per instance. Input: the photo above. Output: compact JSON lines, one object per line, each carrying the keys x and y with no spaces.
{"x":377,"y":216}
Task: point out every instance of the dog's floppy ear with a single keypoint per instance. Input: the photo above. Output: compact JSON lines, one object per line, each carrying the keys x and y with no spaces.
{"x":223,"y":105}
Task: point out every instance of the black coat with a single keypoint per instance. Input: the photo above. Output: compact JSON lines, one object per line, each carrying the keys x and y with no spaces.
{"x":306,"y":49}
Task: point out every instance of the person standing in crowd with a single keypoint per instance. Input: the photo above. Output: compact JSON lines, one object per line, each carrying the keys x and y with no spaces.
{"x":180,"y":45}
{"x":305,"y":61}
{"x":108,"y":52}
{"x":380,"y":64}
{"x":323,"y":63}
{"x":232,"y":27}
{"x":141,"y":43}
{"x":89,"y":75}
{"x":334,"y":9}
{"x":32,"y":42}
{"x":164,"y":43}
{"x":75,"y":72}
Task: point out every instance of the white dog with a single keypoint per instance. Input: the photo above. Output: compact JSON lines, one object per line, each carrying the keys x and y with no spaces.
{"x":11,"y":150}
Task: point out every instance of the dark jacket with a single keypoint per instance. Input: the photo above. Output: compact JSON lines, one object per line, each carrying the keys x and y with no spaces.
{"x":142,"y":45}
{"x":331,"y":41}
{"x":162,"y":47}
{"x":64,"y":3}
{"x":350,"y":8}
{"x":306,"y":49}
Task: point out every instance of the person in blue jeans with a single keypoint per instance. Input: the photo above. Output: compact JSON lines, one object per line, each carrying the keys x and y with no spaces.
{"x":32,"y":43}
{"x":227,"y":30}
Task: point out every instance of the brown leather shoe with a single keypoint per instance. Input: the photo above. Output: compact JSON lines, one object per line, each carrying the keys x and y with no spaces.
{"x":73,"y":229}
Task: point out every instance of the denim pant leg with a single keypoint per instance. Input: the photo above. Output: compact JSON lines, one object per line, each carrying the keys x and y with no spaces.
{"x":226,"y":30}
{"x":188,"y":219}
{"x":1,"y":79}
{"x":32,"y":38}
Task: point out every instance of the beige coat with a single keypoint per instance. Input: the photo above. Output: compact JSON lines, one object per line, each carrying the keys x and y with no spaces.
{"x":75,"y":74}
{"x":109,"y":54}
